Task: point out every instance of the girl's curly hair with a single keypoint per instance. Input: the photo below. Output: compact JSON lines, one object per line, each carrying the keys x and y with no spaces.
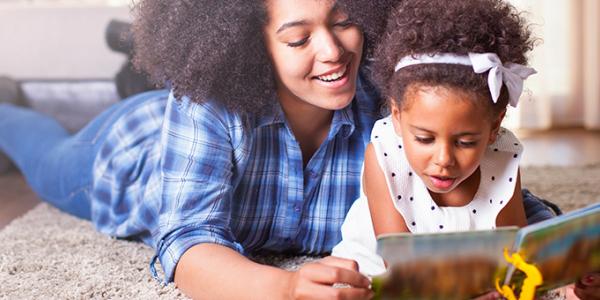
{"x":458,"y":26}
{"x":207,"y":49}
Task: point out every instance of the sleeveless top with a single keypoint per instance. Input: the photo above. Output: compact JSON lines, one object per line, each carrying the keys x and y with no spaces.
{"x":499,"y":168}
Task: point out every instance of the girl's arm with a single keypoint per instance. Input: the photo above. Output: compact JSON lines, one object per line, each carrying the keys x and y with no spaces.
{"x":513,"y":214}
{"x":386,"y":219}
{"x":211,"y":271}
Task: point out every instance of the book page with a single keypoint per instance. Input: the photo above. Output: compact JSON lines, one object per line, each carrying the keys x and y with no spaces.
{"x":563,"y":248}
{"x":442,"y":266}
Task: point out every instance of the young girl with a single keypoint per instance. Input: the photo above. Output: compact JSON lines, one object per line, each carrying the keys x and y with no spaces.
{"x":440,"y":161}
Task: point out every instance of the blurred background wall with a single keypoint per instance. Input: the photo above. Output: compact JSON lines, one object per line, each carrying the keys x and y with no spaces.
{"x":57,"y":39}
{"x":566,"y":92}
{"x":64,"y":39}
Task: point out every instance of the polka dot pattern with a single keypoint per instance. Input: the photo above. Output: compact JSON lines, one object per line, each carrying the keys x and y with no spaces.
{"x":498,"y":170}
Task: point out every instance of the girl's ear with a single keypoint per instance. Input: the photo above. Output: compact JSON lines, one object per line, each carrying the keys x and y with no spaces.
{"x":395,"y":111}
{"x":496,"y":127}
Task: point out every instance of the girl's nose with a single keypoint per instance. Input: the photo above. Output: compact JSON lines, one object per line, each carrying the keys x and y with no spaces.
{"x":444,"y":156}
{"x":330,"y":50}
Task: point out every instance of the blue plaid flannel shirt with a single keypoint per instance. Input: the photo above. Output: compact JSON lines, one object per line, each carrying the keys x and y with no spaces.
{"x":174,"y":174}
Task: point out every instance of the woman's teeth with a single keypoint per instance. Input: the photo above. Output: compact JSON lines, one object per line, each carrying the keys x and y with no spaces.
{"x":333,"y":77}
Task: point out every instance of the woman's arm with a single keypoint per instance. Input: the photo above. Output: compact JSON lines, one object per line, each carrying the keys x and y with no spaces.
{"x":386,"y":219}
{"x":513,"y":214}
{"x":211,"y":271}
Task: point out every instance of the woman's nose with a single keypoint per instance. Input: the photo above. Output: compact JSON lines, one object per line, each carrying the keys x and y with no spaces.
{"x":330,"y":49}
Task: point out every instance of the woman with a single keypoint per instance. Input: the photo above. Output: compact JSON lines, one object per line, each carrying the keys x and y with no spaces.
{"x":258,"y":147}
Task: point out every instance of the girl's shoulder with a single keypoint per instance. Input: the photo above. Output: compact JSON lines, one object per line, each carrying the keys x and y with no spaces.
{"x":383,"y":130}
{"x":506,"y":141}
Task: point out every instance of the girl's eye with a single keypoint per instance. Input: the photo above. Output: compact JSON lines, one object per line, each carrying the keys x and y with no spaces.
{"x":466,"y":144}
{"x":424,"y":140}
{"x":298,"y":43}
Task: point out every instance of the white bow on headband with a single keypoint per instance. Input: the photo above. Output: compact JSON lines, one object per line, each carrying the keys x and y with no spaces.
{"x":510,"y":74}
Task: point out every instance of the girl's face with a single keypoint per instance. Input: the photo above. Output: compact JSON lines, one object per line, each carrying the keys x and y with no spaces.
{"x":445,"y":133}
{"x":315,"y":52}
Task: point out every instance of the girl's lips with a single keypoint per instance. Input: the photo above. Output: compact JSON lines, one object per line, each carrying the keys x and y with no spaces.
{"x":442,"y":182}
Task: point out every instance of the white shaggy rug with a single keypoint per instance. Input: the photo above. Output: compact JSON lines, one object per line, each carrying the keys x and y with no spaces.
{"x":48,"y":254}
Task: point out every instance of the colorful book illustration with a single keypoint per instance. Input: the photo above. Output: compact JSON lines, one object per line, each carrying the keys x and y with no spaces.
{"x":463,"y":265}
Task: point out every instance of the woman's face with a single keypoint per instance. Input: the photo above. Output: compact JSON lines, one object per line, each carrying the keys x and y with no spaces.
{"x":315,"y":52}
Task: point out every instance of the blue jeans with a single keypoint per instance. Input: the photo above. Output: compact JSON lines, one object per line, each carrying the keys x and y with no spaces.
{"x":58,"y":165}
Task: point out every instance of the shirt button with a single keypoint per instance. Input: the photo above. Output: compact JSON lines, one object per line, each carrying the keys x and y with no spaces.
{"x":297,"y":208}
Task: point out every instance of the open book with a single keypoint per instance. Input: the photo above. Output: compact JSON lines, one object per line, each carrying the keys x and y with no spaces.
{"x":462,"y":265}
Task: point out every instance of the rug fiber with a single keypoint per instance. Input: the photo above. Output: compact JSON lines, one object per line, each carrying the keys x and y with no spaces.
{"x":48,"y":254}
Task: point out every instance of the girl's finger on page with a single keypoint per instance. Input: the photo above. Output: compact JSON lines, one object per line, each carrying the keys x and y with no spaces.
{"x":489,"y":296}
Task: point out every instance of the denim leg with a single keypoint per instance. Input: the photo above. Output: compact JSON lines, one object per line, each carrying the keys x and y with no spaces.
{"x":537,"y":209}
{"x":57,"y":165}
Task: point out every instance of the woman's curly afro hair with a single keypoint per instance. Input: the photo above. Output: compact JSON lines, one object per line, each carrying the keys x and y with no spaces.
{"x":458,"y":26}
{"x":208,"y":49}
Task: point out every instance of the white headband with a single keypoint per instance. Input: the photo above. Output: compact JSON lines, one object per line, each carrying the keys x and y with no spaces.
{"x":511,"y":74}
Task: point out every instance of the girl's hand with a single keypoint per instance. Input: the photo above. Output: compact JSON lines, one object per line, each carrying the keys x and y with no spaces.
{"x":588,"y":287}
{"x":489,"y":296}
{"x":315,"y":280}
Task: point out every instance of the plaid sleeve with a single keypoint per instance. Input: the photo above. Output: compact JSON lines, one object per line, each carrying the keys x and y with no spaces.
{"x":196,"y":181}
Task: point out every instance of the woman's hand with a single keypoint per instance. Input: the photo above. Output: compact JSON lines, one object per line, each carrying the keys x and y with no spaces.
{"x":315,"y":280}
{"x":588,"y":287}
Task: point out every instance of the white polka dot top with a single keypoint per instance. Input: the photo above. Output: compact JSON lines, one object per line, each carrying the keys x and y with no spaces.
{"x":499,"y":168}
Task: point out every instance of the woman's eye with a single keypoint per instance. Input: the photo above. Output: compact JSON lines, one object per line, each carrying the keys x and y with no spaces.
{"x":424,"y":140}
{"x":345,"y":23}
{"x":298,"y":43}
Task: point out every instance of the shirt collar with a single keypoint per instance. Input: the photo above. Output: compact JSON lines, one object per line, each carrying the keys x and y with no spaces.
{"x":342,"y":122}
{"x":275,"y":116}
{"x":343,"y":119}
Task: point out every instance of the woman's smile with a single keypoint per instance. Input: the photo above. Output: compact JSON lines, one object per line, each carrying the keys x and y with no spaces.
{"x":335,"y":78}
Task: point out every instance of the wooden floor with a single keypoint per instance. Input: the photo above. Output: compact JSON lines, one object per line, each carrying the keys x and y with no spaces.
{"x":16,"y":198}
{"x":566,"y":147}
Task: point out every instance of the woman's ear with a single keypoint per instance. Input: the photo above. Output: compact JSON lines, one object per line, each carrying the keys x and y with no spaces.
{"x":496,"y":127}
